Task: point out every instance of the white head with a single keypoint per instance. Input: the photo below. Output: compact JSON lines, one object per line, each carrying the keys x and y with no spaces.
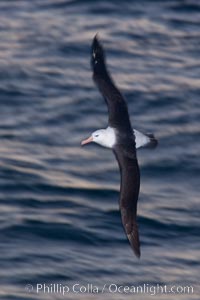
{"x":104,"y":137}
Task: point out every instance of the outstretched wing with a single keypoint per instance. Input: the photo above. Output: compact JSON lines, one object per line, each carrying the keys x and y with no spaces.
{"x":129,"y":191}
{"x":117,"y":109}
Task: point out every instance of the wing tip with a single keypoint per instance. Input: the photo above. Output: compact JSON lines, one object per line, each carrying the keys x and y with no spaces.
{"x":97,"y":55}
{"x":96,"y":46}
{"x":133,"y":238}
{"x":96,"y":42}
{"x":96,"y":38}
{"x":137,"y":252}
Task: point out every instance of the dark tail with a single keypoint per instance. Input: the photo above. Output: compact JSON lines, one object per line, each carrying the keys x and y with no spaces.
{"x":153,"y":142}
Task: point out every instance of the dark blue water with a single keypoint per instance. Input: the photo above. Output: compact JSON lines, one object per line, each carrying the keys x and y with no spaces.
{"x":59,"y":218}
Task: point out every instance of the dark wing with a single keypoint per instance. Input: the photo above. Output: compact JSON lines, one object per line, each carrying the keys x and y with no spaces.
{"x":129,"y":191}
{"x":117,"y":109}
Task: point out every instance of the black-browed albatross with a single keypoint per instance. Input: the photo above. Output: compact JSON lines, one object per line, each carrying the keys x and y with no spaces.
{"x":123,"y":140}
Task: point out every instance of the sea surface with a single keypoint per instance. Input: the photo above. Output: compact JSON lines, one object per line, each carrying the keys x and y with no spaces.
{"x":60,"y":224}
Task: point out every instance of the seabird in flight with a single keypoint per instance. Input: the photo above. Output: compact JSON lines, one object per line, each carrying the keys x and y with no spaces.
{"x":123,"y":140}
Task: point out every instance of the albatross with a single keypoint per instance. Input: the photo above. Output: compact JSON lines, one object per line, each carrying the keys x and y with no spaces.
{"x":123,"y":140}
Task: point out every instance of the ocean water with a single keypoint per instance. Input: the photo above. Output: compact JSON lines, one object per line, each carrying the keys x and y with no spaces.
{"x":59,"y":218}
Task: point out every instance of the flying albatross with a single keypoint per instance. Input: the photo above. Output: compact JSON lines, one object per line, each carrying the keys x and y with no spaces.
{"x":123,"y":140}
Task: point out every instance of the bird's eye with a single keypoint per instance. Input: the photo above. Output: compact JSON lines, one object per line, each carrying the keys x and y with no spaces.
{"x":96,"y":135}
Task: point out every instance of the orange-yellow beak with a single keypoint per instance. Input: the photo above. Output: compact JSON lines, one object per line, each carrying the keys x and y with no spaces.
{"x":87,"y":141}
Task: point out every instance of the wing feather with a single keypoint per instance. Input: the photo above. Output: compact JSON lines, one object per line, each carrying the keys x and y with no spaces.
{"x":129,"y":191}
{"x":117,"y":108}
